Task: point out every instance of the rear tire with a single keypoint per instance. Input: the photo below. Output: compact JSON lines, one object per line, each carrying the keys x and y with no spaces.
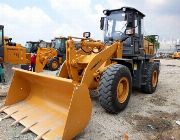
{"x":115,"y":88}
{"x":151,"y":79}
{"x":53,"y":64}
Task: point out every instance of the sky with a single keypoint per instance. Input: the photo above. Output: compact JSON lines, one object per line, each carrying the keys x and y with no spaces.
{"x":31,"y":20}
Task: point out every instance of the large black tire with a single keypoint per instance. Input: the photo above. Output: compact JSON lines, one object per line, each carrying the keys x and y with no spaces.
{"x":108,"y":88}
{"x":51,"y":62}
{"x":149,"y":86}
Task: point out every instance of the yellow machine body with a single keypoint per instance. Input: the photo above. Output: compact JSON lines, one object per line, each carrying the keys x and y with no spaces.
{"x":14,"y":53}
{"x":149,"y":47}
{"x":176,"y":55}
{"x":43,"y":56}
{"x":28,"y":58}
{"x":60,"y":107}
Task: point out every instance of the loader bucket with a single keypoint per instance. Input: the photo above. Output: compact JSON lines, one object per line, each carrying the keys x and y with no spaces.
{"x":51,"y":107}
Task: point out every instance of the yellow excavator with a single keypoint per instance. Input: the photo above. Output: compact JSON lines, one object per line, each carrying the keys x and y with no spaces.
{"x":60,"y":107}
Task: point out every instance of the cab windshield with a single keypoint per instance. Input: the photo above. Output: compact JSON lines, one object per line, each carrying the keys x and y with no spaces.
{"x":59,"y":43}
{"x":115,"y":25}
{"x":28,"y":45}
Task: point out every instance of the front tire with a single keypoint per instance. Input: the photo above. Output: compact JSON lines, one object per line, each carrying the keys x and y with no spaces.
{"x":115,"y":88}
{"x":53,"y":64}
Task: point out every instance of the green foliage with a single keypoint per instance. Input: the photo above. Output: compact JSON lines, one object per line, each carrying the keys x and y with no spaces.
{"x":154,"y":40}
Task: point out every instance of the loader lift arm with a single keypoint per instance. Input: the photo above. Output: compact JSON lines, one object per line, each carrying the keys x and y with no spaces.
{"x":87,"y":67}
{"x":43,"y":56}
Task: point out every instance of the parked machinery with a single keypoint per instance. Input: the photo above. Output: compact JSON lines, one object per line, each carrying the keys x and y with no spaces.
{"x":151,"y":44}
{"x":60,"y":107}
{"x":51,"y":57}
{"x":10,"y":53}
{"x":176,"y":55}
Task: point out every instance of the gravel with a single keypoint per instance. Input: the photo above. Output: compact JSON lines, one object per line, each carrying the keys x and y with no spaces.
{"x":146,"y":116}
{"x":9,"y":72}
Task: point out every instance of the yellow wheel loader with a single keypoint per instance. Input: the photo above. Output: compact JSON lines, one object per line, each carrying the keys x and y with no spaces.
{"x":60,"y":107}
{"x":32,"y":46}
{"x":46,"y":57}
{"x":176,"y":55}
{"x":11,"y":53}
{"x":51,"y":57}
{"x":44,"y":52}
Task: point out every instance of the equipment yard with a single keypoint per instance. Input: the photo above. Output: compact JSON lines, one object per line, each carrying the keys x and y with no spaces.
{"x":154,"y":116}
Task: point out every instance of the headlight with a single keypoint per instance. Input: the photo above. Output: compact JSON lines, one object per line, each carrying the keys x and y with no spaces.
{"x":86,"y":34}
{"x":106,"y":12}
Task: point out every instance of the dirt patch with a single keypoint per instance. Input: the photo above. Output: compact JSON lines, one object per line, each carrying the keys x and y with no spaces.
{"x":158,"y":100}
{"x":4,"y":89}
{"x":2,"y":99}
{"x":172,"y":66}
{"x":160,"y":124}
{"x":9,"y":72}
{"x":13,"y":133}
{"x":173,"y":134}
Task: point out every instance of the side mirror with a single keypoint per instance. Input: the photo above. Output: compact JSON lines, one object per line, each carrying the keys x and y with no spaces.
{"x":130,"y":20}
{"x":86,"y":34}
{"x":102,"y":23}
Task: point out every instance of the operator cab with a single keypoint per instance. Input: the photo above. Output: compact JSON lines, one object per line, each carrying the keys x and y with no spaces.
{"x":32,"y":47}
{"x":124,"y":24}
{"x":60,"y":44}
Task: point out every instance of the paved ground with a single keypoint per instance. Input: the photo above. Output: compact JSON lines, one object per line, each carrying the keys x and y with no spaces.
{"x":147,"y":117}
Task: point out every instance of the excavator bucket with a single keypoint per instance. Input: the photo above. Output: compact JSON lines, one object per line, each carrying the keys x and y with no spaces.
{"x":51,"y":107}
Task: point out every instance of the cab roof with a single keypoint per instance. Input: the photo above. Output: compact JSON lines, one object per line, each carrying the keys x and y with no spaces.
{"x":126,"y":9}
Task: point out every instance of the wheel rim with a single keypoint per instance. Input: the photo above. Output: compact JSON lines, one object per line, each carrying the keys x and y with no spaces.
{"x":123,"y":90}
{"x":154,"y":78}
{"x":54,"y":65}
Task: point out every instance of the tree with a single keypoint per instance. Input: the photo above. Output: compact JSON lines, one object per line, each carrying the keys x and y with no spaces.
{"x":154,"y":40}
